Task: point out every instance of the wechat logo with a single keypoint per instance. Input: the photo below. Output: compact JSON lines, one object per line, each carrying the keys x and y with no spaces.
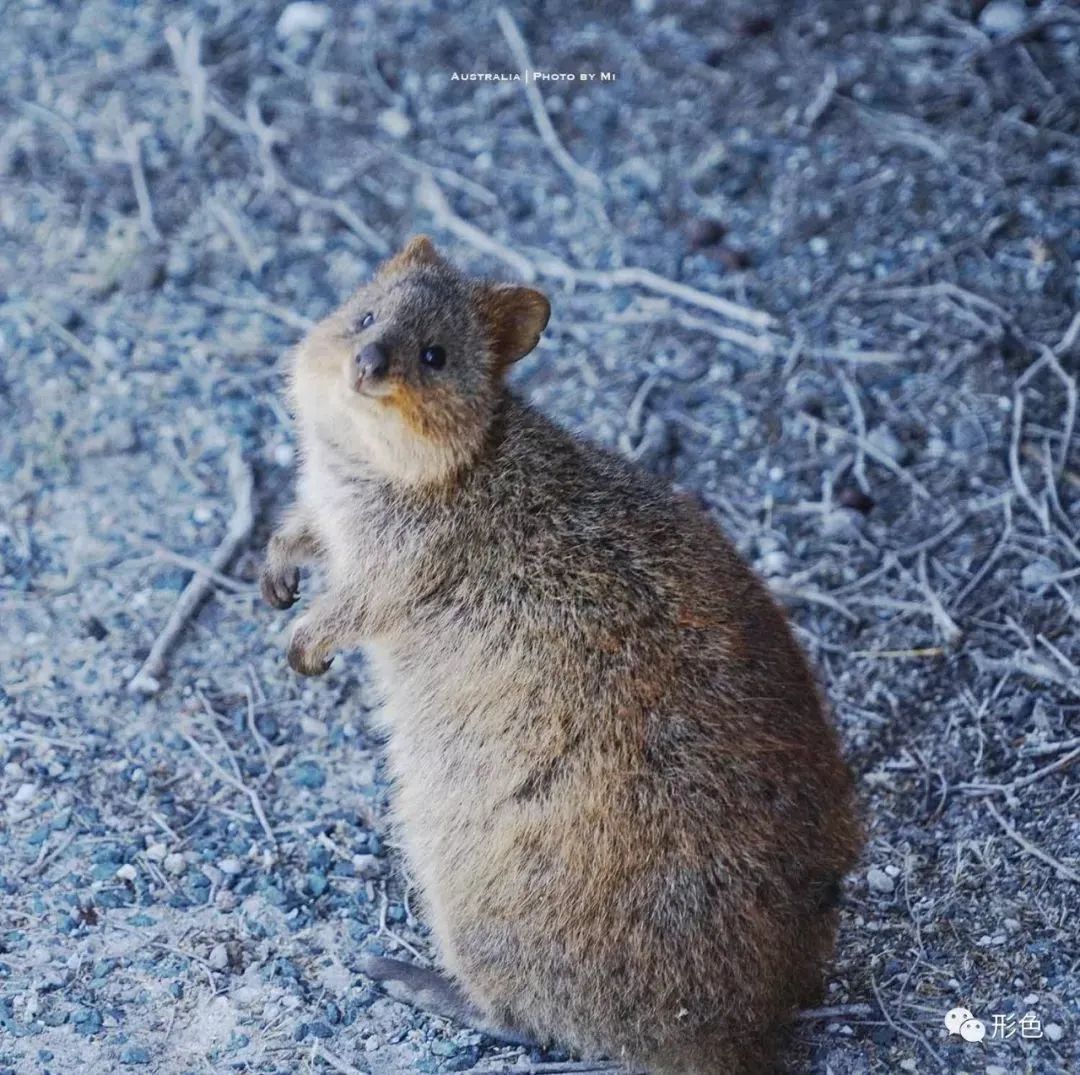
{"x":961,"y":1021}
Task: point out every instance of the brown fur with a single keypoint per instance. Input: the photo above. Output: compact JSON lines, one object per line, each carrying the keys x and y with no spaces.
{"x":615,"y":783}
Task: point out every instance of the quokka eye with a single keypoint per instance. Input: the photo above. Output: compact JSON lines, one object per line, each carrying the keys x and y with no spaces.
{"x":433,"y":357}
{"x":366,"y":321}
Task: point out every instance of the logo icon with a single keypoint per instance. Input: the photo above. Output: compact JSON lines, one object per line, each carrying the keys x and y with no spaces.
{"x":961,"y":1021}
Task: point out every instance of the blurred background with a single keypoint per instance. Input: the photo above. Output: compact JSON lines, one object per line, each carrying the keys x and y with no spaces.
{"x":815,"y":262}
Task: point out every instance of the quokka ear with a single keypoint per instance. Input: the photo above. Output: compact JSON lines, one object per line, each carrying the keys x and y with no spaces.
{"x":419,"y":250}
{"x":513,"y":318}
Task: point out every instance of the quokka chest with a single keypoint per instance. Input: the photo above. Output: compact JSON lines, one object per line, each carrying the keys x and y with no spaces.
{"x":363,"y":536}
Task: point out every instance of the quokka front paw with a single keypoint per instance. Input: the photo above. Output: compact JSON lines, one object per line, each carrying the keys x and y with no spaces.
{"x":280,"y":589}
{"x":308,"y":656}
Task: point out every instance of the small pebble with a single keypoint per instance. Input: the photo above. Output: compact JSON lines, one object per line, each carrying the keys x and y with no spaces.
{"x":851,"y":496}
{"x":219,"y":957}
{"x":127,"y":872}
{"x":230,"y":866}
{"x":774,"y":564}
{"x":95,"y":628}
{"x":1053,"y":1032}
{"x":104,"y":348}
{"x":175,"y":863}
{"x":308,"y":774}
{"x":734,"y":258}
{"x":879,"y":881}
{"x":1002,"y":17}
{"x":1038,"y":573}
{"x":841,"y":524}
{"x":704,"y":231}
{"x":313,"y":726}
{"x":24,"y":793}
{"x":156,"y":852}
{"x":756,"y":25}
{"x":395,"y":123}
{"x":135,"y":1054}
{"x":366,"y":865}
{"x":225,"y":901}
{"x":301,"y":18}
{"x":887,"y":442}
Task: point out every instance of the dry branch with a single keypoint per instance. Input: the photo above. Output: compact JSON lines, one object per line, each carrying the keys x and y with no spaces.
{"x":1063,"y":871}
{"x":1023,"y":781}
{"x":335,"y":1061}
{"x":130,"y":137}
{"x":633,"y":276}
{"x":233,"y":780}
{"x":580,"y":175}
{"x":874,"y":452}
{"x":260,"y":305}
{"x":430,"y":196}
{"x":241,"y":482}
{"x":562,"y":1067}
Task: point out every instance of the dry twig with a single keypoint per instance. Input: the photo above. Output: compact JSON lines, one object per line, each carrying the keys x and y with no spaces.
{"x":192,"y":565}
{"x":562,"y":1067}
{"x":874,"y":452}
{"x":334,"y":1060}
{"x":233,"y":779}
{"x":909,"y":1030}
{"x":259,"y":305}
{"x":130,"y":137}
{"x":634,"y":276}
{"x":1022,"y":781}
{"x":1063,"y":871}
{"x":580,"y":175}
{"x":822,"y":99}
{"x":185,"y":52}
{"x":430,"y":196}
{"x":148,"y":679}
{"x":835,"y":1011}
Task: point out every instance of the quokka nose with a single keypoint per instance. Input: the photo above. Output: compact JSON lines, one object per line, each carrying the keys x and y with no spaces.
{"x":372,"y":362}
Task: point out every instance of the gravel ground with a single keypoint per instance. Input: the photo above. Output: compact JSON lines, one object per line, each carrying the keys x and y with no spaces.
{"x":889,"y":193}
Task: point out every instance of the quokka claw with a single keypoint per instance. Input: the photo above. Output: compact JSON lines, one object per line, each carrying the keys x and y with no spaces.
{"x":304,"y":659}
{"x":280,"y":590}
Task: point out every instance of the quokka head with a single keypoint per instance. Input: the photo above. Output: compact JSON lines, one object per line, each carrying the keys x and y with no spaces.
{"x":405,"y":376}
